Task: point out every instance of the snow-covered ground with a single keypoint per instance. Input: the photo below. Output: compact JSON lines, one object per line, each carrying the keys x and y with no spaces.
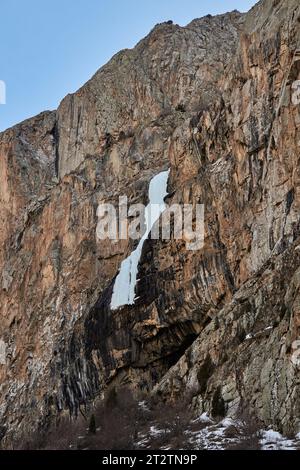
{"x":170,"y":429}
{"x":273,"y":440}
{"x":125,"y":283}
{"x":206,"y":434}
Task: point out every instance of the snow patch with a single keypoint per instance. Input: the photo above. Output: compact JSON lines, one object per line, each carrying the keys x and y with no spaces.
{"x":204,"y":418}
{"x":268,"y":328}
{"x":273,"y":440}
{"x":143,"y":405}
{"x":227,"y":422}
{"x":154,"y":431}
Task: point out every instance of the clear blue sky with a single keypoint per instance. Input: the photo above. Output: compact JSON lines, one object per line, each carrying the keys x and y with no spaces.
{"x":49,"y":48}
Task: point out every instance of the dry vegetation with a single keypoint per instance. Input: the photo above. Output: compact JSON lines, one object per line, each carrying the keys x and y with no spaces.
{"x":122,"y":422}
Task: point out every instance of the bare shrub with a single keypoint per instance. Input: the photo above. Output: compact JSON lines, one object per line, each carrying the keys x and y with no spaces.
{"x":249,"y":431}
{"x":171,"y":421}
{"x":120,"y":422}
{"x":58,"y":437}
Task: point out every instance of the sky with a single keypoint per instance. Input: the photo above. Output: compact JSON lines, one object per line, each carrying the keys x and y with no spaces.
{"x":49,"y":48}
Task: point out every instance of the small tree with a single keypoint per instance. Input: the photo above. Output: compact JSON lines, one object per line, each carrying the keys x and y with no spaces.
{"x":92,"y":425}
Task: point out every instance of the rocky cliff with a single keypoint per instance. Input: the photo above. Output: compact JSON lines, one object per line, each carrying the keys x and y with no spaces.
{"x":212,"y":101}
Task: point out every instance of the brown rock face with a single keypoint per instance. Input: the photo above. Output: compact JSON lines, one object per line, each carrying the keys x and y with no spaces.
{"x":213,"y":101}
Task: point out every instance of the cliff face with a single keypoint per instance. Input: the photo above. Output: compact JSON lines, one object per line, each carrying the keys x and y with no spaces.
{"x":213,"y":102}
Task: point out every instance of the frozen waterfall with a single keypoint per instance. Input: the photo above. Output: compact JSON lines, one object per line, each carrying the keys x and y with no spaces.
{"x":125,"y":283}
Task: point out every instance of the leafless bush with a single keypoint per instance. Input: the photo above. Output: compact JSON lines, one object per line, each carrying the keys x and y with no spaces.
{"x":249,"y":432}
{"x":58,"y":437}
{"x":171,"y":421}
{"x":120,"y":422}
